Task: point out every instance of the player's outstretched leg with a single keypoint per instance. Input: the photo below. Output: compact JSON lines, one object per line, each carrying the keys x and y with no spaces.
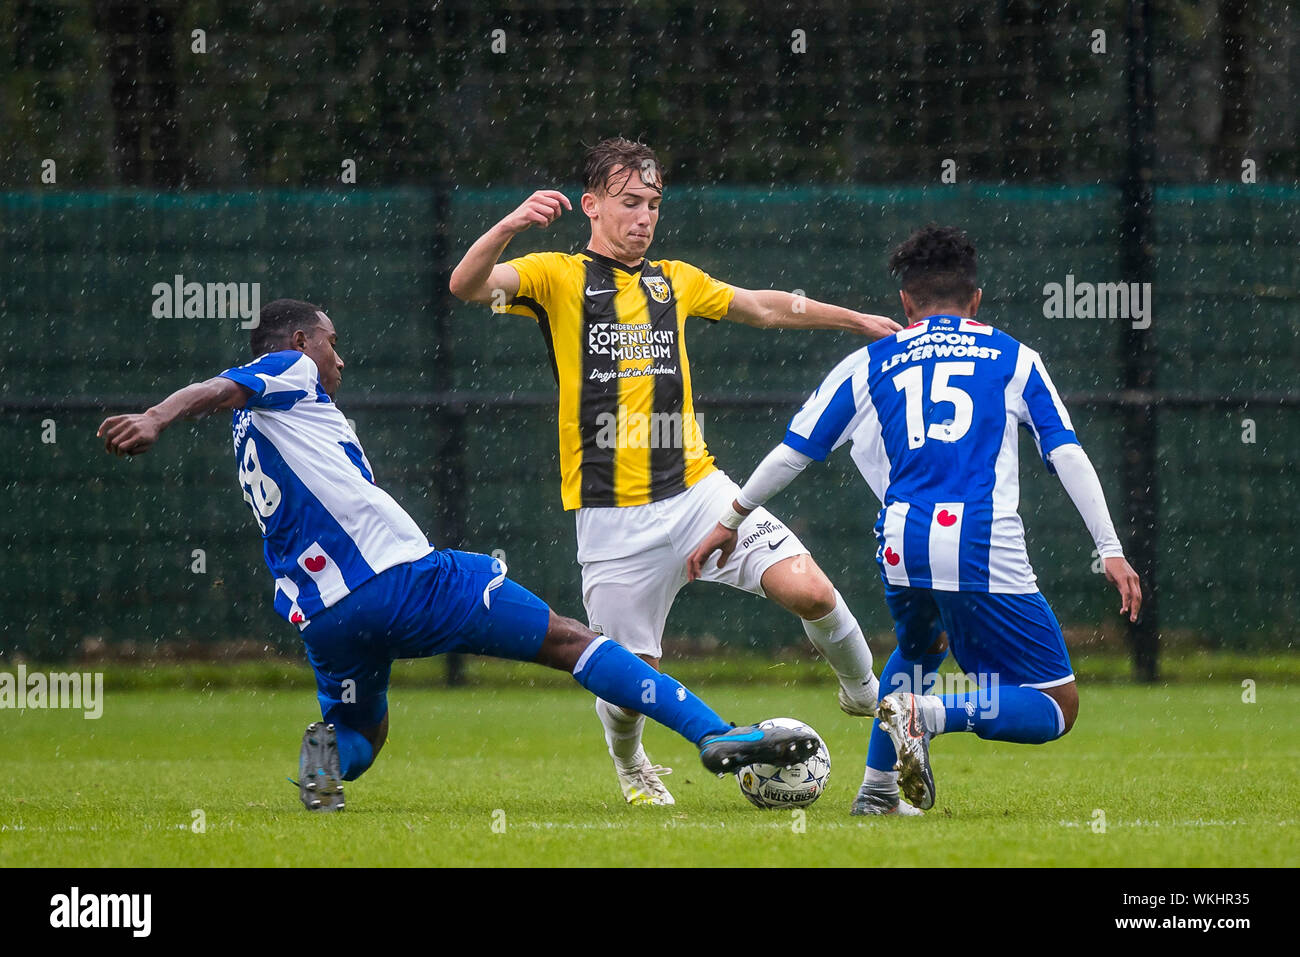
{"x":613,"y":673}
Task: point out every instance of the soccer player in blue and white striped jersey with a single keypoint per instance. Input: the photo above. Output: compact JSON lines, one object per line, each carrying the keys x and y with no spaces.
{"x":933,"y":413}
{"x":360,"y":581}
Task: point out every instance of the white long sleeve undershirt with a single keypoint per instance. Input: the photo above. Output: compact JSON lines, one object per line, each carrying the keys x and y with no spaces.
{"x":1074,"y":469}
{"x":774,"y":473}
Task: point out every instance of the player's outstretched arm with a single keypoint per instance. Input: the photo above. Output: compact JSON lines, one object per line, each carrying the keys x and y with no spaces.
{"x":478,"y":277}
{"x":133,"y":434}
{"x":773,"y":474}
{"x":773,"y":309}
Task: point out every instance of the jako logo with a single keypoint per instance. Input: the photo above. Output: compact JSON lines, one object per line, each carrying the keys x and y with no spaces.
{"x":214,"y":300}
{"x":1105,"y":300}
{"x":103,"y":910}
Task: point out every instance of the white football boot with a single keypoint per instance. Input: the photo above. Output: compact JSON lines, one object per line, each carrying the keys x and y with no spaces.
{"x":870,"y":801}
{"x":899,"y":718}
{"x":641,"y":784}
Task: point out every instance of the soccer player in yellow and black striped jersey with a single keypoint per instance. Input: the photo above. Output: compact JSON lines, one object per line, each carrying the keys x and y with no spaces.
{"x":633,"y":463}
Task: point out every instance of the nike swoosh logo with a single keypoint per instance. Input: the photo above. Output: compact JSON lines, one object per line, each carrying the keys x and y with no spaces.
{"x":912,"y":729}
{"x":597,"y":292}
{"x":775,"y":545}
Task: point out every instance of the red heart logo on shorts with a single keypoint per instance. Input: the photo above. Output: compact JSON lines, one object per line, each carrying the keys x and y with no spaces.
{"x":946,"y":518}
{"x":315,"y":564}
{"x":892,"y":556}
{"x":296,"y":618}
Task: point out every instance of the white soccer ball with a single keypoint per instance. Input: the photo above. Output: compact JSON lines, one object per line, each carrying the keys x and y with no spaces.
{"x":768,"y":786}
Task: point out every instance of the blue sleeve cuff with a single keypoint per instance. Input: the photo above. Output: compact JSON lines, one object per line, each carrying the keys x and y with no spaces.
{"x":246,"y":379}
{"x":1053,"y":442}
{"x":807,"y":446}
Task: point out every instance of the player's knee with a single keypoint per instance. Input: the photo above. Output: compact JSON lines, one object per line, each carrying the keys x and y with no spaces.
{"x":1067,"y":699}
{"x":801,"y":587}
{"x":566,"y":640}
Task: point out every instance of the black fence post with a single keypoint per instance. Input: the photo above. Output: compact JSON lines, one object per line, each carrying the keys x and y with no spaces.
{"x":448,"y":421}
{"x":1137,"y":344}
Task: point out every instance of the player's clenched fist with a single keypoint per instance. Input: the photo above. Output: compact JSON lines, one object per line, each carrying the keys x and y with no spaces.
{"x":129,"y":434}
{"x":1119,"y":571}
{"x":540,"y":209}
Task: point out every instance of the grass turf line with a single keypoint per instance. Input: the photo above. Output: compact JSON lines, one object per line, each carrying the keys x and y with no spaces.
{"x":1185,"y":774}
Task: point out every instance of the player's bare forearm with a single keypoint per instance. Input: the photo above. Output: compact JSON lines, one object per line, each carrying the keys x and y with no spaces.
{"x":133,"y":434}
{"x":470,"y":278}
{"x":774,"y":309}
{"x":478,"y":277}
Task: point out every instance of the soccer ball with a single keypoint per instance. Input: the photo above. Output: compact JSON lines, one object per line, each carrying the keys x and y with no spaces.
{"x":768,"y":786}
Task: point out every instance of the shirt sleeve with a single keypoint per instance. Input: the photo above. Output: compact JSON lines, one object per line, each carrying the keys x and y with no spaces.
{"x":781,"y":467}
{"x":278,"y":380}
{"x":1079,"y":478}
{"x":1042,"y":410}
{"x":830,"y":414}
{"x":700,"y":293}
{"x":535,"y":282}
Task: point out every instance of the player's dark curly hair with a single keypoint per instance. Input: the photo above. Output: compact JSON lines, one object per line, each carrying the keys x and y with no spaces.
{"x":617,"y":153}
{"x":278,"y":321}
{"x":936,"y":264}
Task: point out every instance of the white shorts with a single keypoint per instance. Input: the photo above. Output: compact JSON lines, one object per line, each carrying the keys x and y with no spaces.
{"x":634,"y":558}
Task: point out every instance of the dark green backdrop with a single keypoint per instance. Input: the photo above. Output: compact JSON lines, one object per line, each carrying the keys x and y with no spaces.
{"x":100,"y":548}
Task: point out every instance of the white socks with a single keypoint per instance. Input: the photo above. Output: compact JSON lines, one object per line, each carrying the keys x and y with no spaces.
{"x":885,"y":782}
{"x":840,"y":641}
{"x":622,"y":732}
{"x":933,"y":716}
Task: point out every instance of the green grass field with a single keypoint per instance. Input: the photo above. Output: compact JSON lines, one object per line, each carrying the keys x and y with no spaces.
{"x":1186,"y":774}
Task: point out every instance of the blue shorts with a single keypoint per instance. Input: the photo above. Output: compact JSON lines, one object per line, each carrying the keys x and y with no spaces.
{"x":448,"y":601}
{"x":1015,"y":637}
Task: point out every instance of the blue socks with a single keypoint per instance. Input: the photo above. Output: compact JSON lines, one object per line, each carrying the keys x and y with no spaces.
{"x":1004,"y":713}
{"x":355,"y":752}
{"x":610,"y":671}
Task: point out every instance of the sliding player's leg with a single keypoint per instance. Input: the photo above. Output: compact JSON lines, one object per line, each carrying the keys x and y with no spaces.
{"x":769,"y":560}
{"x":493,"y":615}
{"x":352,"y":671}
{"x":1013,"y":646}
{"x":912,"y":667}
{"x":628,"y":599}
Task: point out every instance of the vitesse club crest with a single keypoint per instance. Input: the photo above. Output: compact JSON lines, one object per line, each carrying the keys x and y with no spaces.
{"x":658,"y":287}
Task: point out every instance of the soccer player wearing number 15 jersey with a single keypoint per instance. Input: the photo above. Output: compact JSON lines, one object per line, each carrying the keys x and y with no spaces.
{"x":933,"y":413}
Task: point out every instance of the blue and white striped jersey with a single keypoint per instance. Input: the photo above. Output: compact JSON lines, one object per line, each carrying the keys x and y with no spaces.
{"x":932,"y":412}
{"x":326,"y":526}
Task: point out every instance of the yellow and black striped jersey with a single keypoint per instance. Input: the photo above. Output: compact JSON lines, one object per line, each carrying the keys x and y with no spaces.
{"x":616,"y":338}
